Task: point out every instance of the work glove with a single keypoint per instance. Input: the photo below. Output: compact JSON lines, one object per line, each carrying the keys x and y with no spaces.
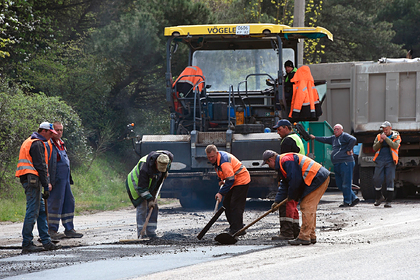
{"x":274,"y":205}
{"x":152,"y":204}
{"x":46,"y":194}
{"x":165,"y":175}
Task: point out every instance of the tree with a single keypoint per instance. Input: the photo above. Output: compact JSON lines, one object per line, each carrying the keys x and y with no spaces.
{"x":404,"y":16}
{"x":358,"y":33}
{"x":20,"y":115}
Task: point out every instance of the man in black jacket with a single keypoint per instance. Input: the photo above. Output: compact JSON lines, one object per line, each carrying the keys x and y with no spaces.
{"x":32,"y":171}
{"x":288,"y":85}
{"x":288,"y":213}
{"x":142,"y":185}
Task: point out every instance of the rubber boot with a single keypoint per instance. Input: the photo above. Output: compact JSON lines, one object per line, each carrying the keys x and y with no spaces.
{"x":379,"y":198}
{"x":286,"y":231}
{"x":296,"y":230}
{"x":389,"y":197}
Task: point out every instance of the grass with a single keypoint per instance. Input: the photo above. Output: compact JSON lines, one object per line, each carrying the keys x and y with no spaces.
{"x":13,"y":208}
{"x":100,"y":188}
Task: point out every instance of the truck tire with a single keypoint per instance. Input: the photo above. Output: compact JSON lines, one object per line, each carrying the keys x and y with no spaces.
{"x":407,"y":189}
{"x":366,"y":182}
{"x":197,"y":200}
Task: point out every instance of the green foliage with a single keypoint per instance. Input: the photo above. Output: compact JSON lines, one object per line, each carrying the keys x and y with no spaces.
{"x":102,"y":188}
{"x":21,"y":114}
{"x":251,"y":11}
{"x":13,"y":204}
{"x":98,"y":65}
{"x":364,"y":37}
{"x":404,"y":16}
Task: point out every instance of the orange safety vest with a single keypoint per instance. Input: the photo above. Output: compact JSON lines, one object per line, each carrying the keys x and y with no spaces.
{"x":25,"y":164}
{"x":309,"y":167}
{"x":394,"y":152}
{"x":192,"y":75}
{"x":228,"y":167}
{"x":304,"y":95}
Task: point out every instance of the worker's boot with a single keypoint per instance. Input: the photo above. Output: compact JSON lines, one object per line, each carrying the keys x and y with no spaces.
{"x":389,"y":197}
{"x":379,"y":198}
{"x":286,"y":231}
{"x":296,"y":230}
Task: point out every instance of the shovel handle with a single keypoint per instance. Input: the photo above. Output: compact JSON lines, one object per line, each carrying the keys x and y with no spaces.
{"x":143,"y":230}
{"x":46,"y":211}
{"x":216,"y":207}
{"x":259,"y":218}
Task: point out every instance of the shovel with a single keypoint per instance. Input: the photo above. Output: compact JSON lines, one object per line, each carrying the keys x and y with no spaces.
{"x":143,"y":230}
{"x":212,"y":221}
{"x":226,"y":238}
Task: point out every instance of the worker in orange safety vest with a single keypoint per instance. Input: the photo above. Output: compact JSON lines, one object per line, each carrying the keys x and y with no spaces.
{"x":305,"y":100}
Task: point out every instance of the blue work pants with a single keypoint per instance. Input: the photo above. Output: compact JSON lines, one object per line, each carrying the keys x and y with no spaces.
{"x":35,"y":212}
{"x":343,"y":178}
{"x":384,"y":173}
{"x":61,"y":202}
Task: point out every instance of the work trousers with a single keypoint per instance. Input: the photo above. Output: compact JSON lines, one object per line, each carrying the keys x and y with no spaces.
{"x":308,"y":207}
{"x":356,"y":171}
{"x":384,"y":172}
{"x":61,"y":202}
{"x":234,"y":202}
{"x":343,"y":178}
{"x":35,"y":212}
{"x":289,"y":219}
{"x":142,"y":211}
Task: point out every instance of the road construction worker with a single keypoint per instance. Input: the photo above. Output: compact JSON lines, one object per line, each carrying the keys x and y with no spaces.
{"x":234,"y":184}
{"x":343,"y":160}
{"x":305,"y":100}
{"x":301,"y":179}
{"x":386,"y":146}
{"x":288,"y":213}
{"x":61,"y":202}
{"x":142,"y":186}
{"x":32,"y":170}
{"x":288,"y":85}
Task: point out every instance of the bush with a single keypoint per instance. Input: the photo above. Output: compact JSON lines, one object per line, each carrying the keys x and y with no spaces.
{"x":21,"y":114}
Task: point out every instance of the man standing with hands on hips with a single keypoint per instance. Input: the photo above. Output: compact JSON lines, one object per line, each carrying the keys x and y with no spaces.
{"x":342,"y":158}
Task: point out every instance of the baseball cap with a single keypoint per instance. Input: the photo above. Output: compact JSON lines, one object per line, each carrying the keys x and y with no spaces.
{"x":162,"y":162}
{"x":48,"y":126}
{"x":386,"y":124}
{"x":282,"y":122}
{"x":268,"y":154}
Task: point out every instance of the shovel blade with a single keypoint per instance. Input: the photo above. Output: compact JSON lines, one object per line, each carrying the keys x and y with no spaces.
{"x":225,"y":238}
{"x":210,"y":223}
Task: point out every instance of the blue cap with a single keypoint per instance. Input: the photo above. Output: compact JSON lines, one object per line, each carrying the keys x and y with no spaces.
{"x":282,"y":122}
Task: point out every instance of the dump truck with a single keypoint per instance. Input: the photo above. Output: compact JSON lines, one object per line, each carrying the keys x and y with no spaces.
{"x":230,"y":94}
{"x":361,"y":96}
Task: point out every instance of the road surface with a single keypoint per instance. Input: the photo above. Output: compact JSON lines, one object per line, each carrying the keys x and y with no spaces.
{"x":362,"y":242}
